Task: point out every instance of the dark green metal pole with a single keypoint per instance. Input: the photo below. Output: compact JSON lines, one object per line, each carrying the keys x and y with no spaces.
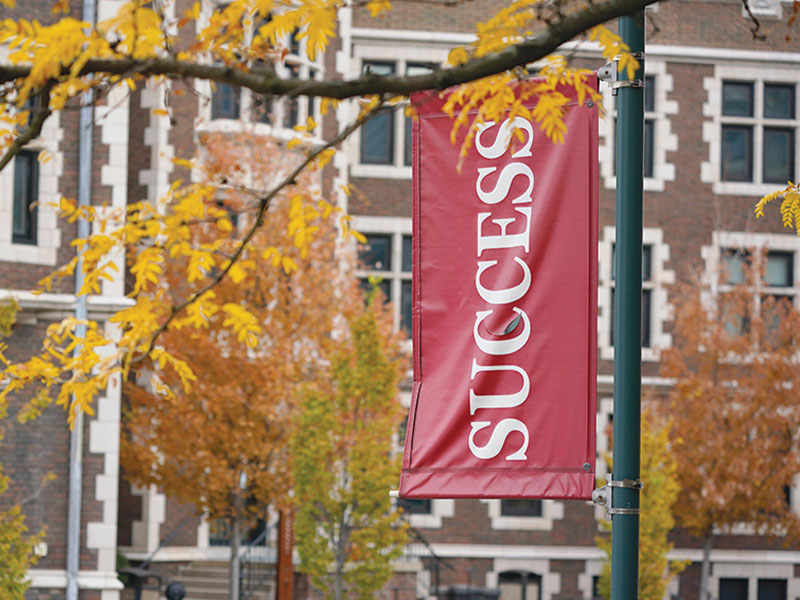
{"x":627,"y":323}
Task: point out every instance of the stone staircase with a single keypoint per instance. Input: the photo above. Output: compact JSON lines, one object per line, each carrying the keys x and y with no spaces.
{"x":209,"y":581}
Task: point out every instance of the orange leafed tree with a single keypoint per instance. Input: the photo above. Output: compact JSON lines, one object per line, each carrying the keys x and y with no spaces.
{"x":735,"y":409}
{"x":219,"y":440}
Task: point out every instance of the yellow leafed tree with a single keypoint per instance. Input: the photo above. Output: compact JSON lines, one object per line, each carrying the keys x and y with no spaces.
{"x":51,"y":67}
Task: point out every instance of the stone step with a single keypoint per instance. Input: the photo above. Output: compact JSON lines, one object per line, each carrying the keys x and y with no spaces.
{"x":268,"y":593}
{"x":209,"y":581}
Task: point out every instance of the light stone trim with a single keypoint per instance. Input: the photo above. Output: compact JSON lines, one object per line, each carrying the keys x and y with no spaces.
{"x":770,"y":9}
{"x":440,"y":509}
{"x":586,"y":579}
{"x":710,"y":170}
{"x":169,"y":554}
{"x":305,"y":106}
{"x":605,"y":412}
{"x":552,"y":510}
{"x":753,"y":572}
{"x":399,"y":53}
{"x":664,"y":140}
{"x":550,"y":582}
{"x":711,"y":254}
{"x":396,"y":227}
{"x":156,"y":136}
{"x":145,"y":534}
{"x":49,"y":306}
{"x":104,"y":439}
{"x":661,"y":278}
{"x":48,"y":233}
{"x":87,"y":580}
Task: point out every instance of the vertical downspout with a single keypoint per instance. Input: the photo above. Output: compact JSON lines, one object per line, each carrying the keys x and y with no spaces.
{"x":81,"y":313}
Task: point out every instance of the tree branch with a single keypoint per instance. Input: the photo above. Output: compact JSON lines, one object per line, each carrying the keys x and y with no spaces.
{"x":32,"y":132}
{"x":755,"y":29}
{"x":263,"y":81}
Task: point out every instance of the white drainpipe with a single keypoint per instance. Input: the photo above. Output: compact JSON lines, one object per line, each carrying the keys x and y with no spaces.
{"x":81,"y":313}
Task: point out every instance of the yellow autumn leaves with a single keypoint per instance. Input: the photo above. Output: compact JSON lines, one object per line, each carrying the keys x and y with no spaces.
{"x":188,"y":226}
{"x":790,"y":205}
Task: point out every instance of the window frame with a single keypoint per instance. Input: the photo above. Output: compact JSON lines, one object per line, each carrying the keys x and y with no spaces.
{"x":402,"y":55}
{"x":551,"y":510}
{"x":397,"y":229}
{"x":756,"y":247}
{"x":656,"y":287}
{"x":758,"y":127}
{"x":757,"y":124}
{"x":658,"y":116}
{"x":46,"y":227}
{"x":648,"y":286}
{"x":295,"y":63}
{"x":754,"y":572}
{"x":759,"y":247}
{"x":399,"y":132}
{"x":29,"y":204}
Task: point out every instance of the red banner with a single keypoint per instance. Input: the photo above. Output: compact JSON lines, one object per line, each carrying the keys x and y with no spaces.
{"x":504,"y":312}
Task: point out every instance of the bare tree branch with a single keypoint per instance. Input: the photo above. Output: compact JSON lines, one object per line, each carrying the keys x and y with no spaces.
{"x":755,"y":29}
{"x":40,"y":114}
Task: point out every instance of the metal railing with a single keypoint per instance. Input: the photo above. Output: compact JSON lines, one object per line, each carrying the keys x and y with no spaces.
{"x":256,"y":566}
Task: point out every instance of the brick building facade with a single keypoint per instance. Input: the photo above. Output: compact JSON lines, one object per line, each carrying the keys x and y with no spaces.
{"x":722,"y":127}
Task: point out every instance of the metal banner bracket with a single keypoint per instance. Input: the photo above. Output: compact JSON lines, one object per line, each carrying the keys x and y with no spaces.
{"x":610,"y":74}
{"x":602,"y":496}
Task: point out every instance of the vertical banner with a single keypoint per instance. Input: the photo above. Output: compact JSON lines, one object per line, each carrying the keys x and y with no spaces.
{"x":505,"y":309}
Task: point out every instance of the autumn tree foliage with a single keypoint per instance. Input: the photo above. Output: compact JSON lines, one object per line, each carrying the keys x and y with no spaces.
{"x":735,"y":409}
{"x":217,"y":433}
{"x":658,"y":496}
{"x":51,"y":67}
{"x":348,"y":531}
{"x":17,"y":543}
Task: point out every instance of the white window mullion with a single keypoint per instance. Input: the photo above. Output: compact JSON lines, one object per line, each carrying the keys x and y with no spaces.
{"x":758,"y":131}
{"x":398,"y":136}
{"x":397,"y":271}
{"x":758,"y":152}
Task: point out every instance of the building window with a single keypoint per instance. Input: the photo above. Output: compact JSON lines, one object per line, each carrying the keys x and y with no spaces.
{"x":234,"y":103}
{"x":386,"y":257}
{"x":755,"y":122}
{"x":656,"y":279}
{"x":772,"y":291}
{"x":775,"y":121}
{"x":415,"y":506}
{"x":771,"y":589}
{"x":386,"y":138}
{"x":658,"y":137}
{"x":377,"y":134}
{"x":520,"y":507}
{"x":647,"y":293}
{"x":26,"y":193}
{"x":225,"y":102}
{"x":736,"y":588}
{"x":596,"y":595}
{"x":523,"y":514}
{"x":519,"y":585}
{"x":649,"y":127}
{"x":733,"y":589}
{"x":766,"y":263}
{"x":412,"y":506}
